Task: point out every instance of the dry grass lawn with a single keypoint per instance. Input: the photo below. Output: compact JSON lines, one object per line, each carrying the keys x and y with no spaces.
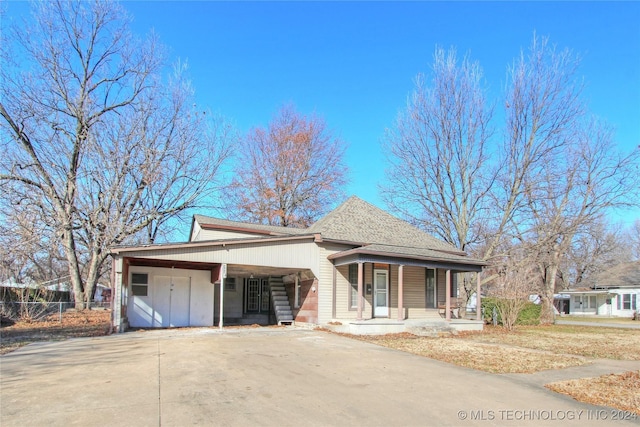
{"x":537,"y":348}
{"x":488,"y":357}
{"x":88,"y":323}
{"x":617,"y":391}
{"x":594,"y":342}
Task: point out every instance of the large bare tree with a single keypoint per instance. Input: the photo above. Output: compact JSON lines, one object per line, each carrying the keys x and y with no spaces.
{"x":565,"y":162}
{"x":559,"y":171}
{"x":95,"y":140}
{"x":439,"y":172}
{"x":288,"y":174}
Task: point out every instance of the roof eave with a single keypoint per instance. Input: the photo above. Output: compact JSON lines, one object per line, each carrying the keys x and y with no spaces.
{"x":205,"y":243}
{"x":363,"y":250}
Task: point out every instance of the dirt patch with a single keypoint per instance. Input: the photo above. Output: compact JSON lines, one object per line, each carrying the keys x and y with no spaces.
{"x":621,"y":391}
{"x":87,"y":323}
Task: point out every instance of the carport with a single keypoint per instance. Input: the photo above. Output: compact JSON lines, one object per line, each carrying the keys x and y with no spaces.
{"x":209,"y":283}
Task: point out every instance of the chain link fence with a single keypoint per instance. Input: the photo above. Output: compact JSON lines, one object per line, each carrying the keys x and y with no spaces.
{"x":34,"y":311}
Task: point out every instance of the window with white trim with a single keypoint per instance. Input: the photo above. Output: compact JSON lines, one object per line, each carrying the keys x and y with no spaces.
{"x":139,"y":284}
{"x":627,"y":301}
{"x":353,"y":285}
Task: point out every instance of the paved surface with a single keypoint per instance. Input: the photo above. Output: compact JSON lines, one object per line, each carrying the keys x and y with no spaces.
{"x":271,"y":377}
{"x":635,"y":325}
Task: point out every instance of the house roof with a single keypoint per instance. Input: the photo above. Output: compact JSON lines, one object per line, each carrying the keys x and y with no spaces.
{"x":623,"y":275}
{"x":208,"y":222}
{"x":365,"y":228}
{"x":409,"y":253}
{"x":358,"y":221}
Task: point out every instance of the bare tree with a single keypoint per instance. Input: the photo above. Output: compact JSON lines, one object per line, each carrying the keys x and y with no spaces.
{"x":95,"y":140}
{"x":559,"y":170}
{"x":594,"y":249}
{"x":514,"y":284}
{"x":439,"y":172}
{"x":289,"y":174}
{"x":633,"y":239}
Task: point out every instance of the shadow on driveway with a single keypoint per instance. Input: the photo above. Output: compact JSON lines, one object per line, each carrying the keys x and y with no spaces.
{"x":261,"y":376}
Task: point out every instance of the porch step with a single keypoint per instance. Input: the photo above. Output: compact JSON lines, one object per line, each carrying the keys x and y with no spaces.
{"x":280,"y":301}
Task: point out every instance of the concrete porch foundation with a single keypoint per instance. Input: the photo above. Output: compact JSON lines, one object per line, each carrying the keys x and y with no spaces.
{"x":421,"y":327}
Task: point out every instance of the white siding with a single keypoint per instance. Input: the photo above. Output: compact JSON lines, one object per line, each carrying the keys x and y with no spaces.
{"x":175,"y":297}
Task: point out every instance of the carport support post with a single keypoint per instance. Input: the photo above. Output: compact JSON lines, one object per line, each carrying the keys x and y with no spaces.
{"x":400,"y":291}
{"x":478,"y":299}
{"x":223,"y":274}
{"x":447,"y":293}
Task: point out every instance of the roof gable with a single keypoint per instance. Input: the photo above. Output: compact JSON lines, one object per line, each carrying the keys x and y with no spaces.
{"x":358,"y":221}
{"x":210,"y":223}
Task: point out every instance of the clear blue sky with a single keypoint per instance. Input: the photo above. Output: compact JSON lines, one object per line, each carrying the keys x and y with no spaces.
{"x":353,"y":63}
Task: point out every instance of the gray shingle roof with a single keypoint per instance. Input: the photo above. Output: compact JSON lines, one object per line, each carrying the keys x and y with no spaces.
{"x":358,"y":221}
{"x":409,"y":252}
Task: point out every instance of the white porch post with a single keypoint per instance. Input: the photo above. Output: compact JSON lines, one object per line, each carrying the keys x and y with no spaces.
{"x":400,"y":292}
{"x":223,"y":275}
{"x":478,"y":299}
{"x":447,"y":293}
{"x":360,"y":279}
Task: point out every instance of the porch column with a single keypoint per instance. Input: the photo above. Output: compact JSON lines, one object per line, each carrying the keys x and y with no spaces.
{"x":360,"y":279}
{"x":478,"y":299}
{"x":400,"y":292}
{"x":447,"y":292}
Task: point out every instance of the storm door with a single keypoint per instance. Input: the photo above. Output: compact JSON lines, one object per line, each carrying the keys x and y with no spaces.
{"x":381,"y":293}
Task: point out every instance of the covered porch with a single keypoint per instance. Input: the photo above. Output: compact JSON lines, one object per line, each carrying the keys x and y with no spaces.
{"x":377,"y":292}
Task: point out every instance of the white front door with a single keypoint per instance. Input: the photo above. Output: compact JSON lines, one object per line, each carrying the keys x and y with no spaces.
{"x":381,"y":293}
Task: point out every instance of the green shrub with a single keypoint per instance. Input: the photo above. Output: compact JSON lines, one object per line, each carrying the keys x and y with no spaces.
{"x":529,"y":315}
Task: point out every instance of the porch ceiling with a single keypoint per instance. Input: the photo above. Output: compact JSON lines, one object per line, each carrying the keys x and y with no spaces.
{"x":236,"y":270}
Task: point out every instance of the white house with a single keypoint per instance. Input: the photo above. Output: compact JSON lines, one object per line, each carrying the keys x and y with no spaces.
{"x":616,"y":293}
{"x":358,"y":265}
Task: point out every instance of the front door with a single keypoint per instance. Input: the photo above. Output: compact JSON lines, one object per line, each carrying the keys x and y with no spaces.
{"x":381,"y":293}
{"x":257,"y":296}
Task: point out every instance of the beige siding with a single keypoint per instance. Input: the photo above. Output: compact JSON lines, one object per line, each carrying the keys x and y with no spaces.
{"x":225,"y":234}
{"x":302,"y":254}
{"x":343,"y":307}
{"x":413,"y":292}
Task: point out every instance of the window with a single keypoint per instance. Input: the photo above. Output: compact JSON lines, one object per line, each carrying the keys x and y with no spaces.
{"x":139,"y":278}
{"x":353,"y":285}
{"x":296,"y":291}
{"x":139,"y":290}
{"x":627,"y":301}
{"x":230,"y":284}
{"x":139,"y":282}
{"x":431,"y":288}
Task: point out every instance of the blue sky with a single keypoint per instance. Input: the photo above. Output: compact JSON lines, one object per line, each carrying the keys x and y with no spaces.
{"x":353,"y":63}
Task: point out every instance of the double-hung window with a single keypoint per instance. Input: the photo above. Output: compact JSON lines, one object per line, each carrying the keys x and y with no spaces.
{"x":353,"y":285}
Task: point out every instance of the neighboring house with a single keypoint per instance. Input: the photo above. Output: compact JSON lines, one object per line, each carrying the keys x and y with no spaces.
{"x":57,"y":291}
{"x":616,"y":293}
{"x":358,"y":264}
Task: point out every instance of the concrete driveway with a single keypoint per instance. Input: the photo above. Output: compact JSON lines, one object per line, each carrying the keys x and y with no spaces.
{"x":266,"y":376}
